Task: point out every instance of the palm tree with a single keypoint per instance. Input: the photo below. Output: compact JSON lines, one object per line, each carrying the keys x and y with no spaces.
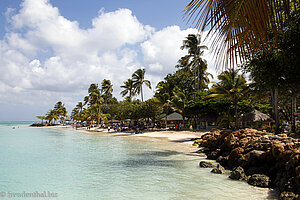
{"x":94,"y":94}
{"x":179,"y":102}
{"x":79,"y":106}
{"x":51,"y":115}
{"x":232,"y":85}
{"x":193,"y":60}
{"x":41,"y":118}
{"x":106,"y":89}
{"x":86,"y":100}
{"x":60,"y":110}
{"x":138,"y":78}
{"x":239,"y":28}
{"x":162,"y":95}
{"x":128,"y":89}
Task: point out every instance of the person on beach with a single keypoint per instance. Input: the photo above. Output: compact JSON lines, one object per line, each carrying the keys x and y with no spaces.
{"x":108,"y":128}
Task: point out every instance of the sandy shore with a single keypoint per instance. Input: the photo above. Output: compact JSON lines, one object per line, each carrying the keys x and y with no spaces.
{"x":180,"y":141}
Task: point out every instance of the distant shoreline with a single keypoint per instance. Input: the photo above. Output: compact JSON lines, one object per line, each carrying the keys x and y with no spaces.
{"x":182,"y":141}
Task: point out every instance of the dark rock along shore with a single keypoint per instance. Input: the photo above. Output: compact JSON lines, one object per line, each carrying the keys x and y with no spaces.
{"x":262,"y":159}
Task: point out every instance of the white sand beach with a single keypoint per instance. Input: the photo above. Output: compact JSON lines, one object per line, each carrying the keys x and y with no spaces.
{"x":176,"y":140}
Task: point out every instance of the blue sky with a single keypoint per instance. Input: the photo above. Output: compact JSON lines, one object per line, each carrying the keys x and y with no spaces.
{"x":156,"y":13}
{"x":52,"y":50}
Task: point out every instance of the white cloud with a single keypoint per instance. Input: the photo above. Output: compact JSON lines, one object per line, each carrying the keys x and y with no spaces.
{"x":163,"y":49}
{"x":113,"y":48}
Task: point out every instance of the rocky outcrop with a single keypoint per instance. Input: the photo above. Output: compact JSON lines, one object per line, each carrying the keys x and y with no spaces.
{"x":259,"y":180}
{"x":238,"y":174}
{"x":205,"y":164}
{"x":218,"y":169}
{"x":288,"y":196}
{"x":256,"y":152}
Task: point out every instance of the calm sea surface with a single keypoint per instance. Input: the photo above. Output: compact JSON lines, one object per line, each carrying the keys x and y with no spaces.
{"x":75,"y":165}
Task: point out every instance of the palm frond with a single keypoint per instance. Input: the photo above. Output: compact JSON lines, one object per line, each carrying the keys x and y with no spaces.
{"x":240,"y":28}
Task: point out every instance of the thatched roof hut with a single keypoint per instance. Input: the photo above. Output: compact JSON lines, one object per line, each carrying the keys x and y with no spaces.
{"x":173,"y":117}
{"x":255,"y":116}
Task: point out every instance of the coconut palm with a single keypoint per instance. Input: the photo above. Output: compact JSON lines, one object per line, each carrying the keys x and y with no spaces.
{"x":179,"y":102}
{"x":138,"y":78}
{"x":86,"y":100}
{"x":51,"y":115}
{"x":106,"y":89}
{"x":128,"y":89}
{"x":193,"y":60}
{"x":232,"y":85}
{"x":239,"y":28}
{"x":162,"y":95}
{"x":79,"y":106}
{"x":94,"y":94}
{"x":41,"y":118}
{"x":60,"y":110}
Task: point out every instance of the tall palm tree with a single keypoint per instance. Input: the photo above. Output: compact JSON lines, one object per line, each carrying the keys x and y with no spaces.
{"x":128,"y":88}
{"x":179,"y":102}
{"x":60,"y":110}
{"x":193,"y":60}
{"x":51,"y":115}
{"x":162,"y":95}
{"x":107,"y":89}
{"x":232,"y":85}
{"x":138,"y":78}
{"x":94,"y":94}
{"x":86,"y":100}
{"x":79,"y":106}
{"x":239,"y":28}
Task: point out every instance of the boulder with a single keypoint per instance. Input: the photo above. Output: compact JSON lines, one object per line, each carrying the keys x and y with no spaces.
{"x":205,"y":164}
{"x":218,"y":170}
{"x":259,"y":180}
{"x":222,"y":160}
{"x":238,"y":174}
{"x":288,"y":196}
{"x":213,"y":155}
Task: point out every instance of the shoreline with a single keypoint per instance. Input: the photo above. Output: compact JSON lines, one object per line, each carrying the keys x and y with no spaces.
{"x":182,"y":141}
{"x":179,"y":141}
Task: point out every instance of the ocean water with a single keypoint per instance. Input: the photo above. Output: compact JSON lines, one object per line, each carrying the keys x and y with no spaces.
{"x":66,"y":164}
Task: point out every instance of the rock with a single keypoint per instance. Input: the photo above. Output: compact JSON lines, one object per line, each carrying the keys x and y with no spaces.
{"x":254,"y":156}
{"x":288,"y":196}
{"x":238,"y":174}
{"x":259,"y":180}
{"x":255,"y":153}
{"x":213,"y":155}
{"x":205,"y":164}
{"x":222,"y":160}
{"x":218,"y":170}
{"x":256,"y":170}
{"x":277,"y":149}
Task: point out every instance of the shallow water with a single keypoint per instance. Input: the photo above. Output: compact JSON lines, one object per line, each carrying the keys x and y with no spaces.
{"x":76,"y":165}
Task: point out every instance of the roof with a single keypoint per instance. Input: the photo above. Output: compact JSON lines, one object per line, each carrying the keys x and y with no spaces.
{"x":255,"y":116}
{"x":173,"y":116}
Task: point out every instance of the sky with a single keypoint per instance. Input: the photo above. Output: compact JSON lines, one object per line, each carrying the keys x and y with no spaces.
{"x":52,"y":50}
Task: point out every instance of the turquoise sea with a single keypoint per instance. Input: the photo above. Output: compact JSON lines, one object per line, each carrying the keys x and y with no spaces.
{"x":68,"y":164}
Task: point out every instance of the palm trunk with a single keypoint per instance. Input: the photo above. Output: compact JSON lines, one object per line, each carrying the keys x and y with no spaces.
{"x":293,"y":110}
{"x":142,"y":93}
{"x":274,"y":94}
{"x":236,"y":114}
{"x":166,"y":120}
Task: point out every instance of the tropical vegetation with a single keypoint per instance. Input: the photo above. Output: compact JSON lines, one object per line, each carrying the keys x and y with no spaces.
{"x":265,"y":82}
